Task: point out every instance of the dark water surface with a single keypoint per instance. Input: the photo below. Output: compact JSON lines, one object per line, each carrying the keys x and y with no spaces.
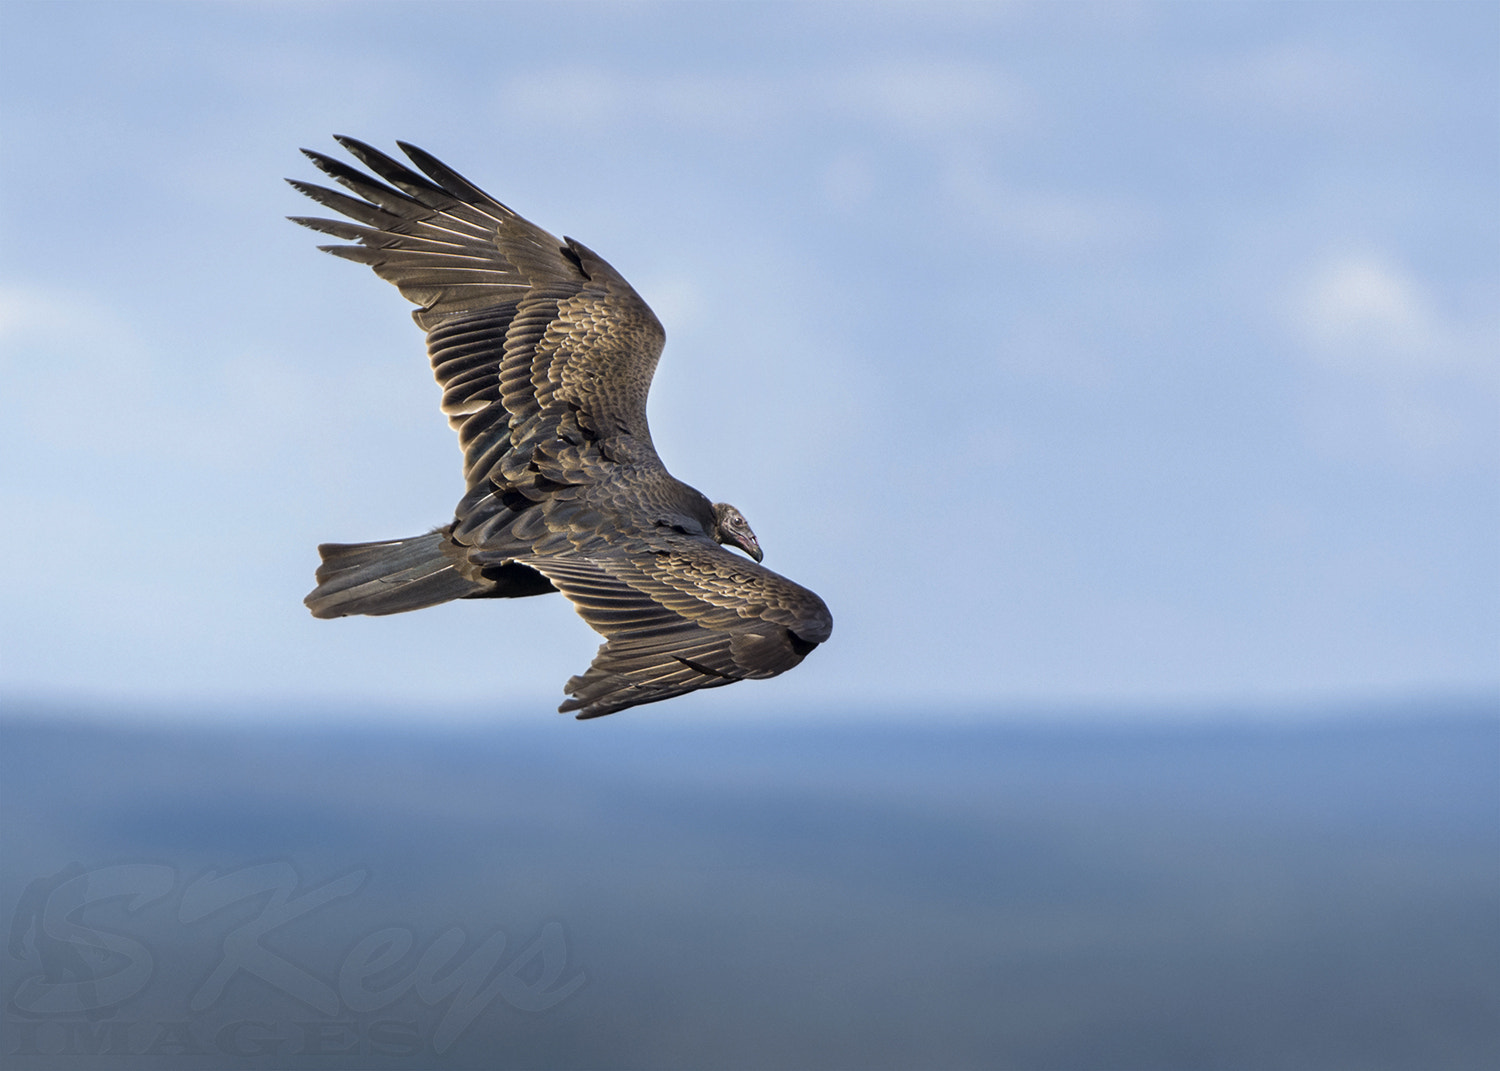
{"x":628,"y":894}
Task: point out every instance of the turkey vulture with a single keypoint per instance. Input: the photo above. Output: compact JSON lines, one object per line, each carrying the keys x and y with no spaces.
{"x":545,"y":354}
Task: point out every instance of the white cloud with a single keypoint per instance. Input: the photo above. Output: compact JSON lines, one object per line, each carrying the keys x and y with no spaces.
{"x":1364,"y":313}
{"x":925,"y":98}
{"x":71,"y":365}
{"x":1391,"y":362}
{"x":1288,"y":80}
{"x":85,"y":382}
{"x":86,"y":388}
{"x":25,"y":310}
{"x":1041,"y":219}
{"x":914,"y":98}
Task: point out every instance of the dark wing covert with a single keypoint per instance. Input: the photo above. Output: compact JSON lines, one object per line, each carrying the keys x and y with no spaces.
{"x":679,"y":618}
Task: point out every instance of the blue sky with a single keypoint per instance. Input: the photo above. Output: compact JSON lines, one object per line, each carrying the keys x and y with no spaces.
{"x":1109,"y":355}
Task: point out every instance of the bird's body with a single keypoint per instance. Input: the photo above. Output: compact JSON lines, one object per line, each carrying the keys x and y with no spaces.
{"x":545,"y":355}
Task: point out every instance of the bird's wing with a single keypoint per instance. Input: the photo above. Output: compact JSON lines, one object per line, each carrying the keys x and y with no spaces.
{"x":678,"y":616}
{"x":544,"y":352}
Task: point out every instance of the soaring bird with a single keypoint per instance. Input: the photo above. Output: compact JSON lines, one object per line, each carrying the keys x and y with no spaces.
{"x":545,"y":355}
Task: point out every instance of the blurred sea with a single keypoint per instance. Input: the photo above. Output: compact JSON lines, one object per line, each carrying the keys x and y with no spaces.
{"x":1240,"y":893}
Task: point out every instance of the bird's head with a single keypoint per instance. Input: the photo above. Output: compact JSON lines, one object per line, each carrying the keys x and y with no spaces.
{"x":731,"y":528}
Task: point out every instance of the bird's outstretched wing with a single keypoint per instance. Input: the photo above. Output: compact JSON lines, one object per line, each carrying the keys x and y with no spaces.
{"x":678,"y":615}
{"x":541,"y":348}
{"x":545,"y":356}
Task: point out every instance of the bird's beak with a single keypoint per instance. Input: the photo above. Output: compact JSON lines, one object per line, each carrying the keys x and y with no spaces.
{"x":750,"y":545}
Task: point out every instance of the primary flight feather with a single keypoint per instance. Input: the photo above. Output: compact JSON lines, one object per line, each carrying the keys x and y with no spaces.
{"x":545,"y":355}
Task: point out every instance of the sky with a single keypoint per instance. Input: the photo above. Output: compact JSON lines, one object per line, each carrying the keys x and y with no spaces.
{"x":1104,"y":355}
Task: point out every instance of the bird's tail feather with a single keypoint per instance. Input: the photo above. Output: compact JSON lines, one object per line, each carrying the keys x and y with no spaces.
{"x":389,"y":577}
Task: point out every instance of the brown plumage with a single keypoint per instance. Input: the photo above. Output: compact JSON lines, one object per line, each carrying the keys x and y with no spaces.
{"x":545,"y":356}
